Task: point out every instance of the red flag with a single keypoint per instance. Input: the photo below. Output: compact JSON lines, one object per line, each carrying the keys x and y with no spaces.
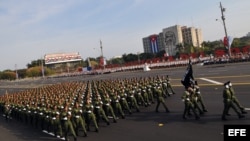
{"x":225,"y":41}
{"x":101,"y":61}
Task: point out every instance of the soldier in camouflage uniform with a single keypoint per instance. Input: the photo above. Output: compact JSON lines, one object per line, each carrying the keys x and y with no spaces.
{"x":235,"y":99}
{"x":187,"y":99}
{"x":78,"y":119}
{"x":67,"y":124}
{"x":228,"y":103}
{"x":117,"y":106}
{"x":132,"y":100}
{"x":107,"y":106}
{"x":124,"y":102}
{"x":160,"y":99}
{"x":169,"y":86}
{"x":98,"y":110}
{"x":89,"y":114}
{"x":198,"y":96}
{"x":56,"y":122}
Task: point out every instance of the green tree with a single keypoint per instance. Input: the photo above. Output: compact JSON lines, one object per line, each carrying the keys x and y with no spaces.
{"x":8,"y":75}
{"x":130,"y":57}
{"x":35,"y":63}
{"x":145,"y":56}
{"x":34,"y":72}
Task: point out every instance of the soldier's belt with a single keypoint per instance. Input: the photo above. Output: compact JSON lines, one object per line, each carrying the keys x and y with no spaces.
{"x":65,"y":118}
{"x":98,"y":107}
{"x":77,"y":116}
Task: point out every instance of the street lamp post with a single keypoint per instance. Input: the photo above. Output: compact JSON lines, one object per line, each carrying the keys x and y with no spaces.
{"x":138,"y":56}
{"x":42,"y":68}
{"x":16,"y":71}
{"x":102,"y":58}
{"x":225,"y":29}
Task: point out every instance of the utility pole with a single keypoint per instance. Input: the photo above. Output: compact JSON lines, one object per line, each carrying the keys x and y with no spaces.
{"x":225,"y":29}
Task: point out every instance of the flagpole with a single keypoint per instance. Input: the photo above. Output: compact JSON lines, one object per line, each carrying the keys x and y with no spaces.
{"x":225,"y":29}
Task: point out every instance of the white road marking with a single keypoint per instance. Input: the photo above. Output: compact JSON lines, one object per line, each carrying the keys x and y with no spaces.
{"x":212,"y":81}
{"x":248,"y":109}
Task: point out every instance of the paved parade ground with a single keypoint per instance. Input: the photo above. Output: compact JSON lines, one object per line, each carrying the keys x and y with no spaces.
{"x":147,"y":125}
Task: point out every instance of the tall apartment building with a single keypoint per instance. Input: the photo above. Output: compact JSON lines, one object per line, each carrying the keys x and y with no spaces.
{"x":192,"y":36}
{"x":170,"y":37}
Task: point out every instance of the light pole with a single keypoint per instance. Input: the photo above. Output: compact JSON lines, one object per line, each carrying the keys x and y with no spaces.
{"x":102,"y":58}
{"x":138,"y":56}
{"x":16,"y":71}
{"x":225,"y":29}
{"x":42,"y":67}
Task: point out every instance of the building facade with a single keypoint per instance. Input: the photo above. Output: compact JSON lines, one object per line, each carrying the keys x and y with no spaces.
{"x":170,"y":37}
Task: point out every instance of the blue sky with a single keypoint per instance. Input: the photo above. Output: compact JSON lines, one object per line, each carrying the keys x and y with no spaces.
{"x":29,"y":29}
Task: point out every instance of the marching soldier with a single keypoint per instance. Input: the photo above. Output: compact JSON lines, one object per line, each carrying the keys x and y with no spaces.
{"x":7,"y":111}
{"x":117,"y":106}
{"x":145,"y":95}
{"x":98,"y":110}
{"x":160,"y":99}
{"x":132,"y":100}
{"x":78,"y":119}
{"x":169,"y":86}
{"x":67,"y":124}
{"x":56,"y":122}
{"x":150,"y":93}
{"x":234,"y":98}
{"x":124,"y":102}
{"x":199,"y":97}
{"x":187,"y":99}
{"x":107,"y":106}
{"x":228,"y":103}
{"x":89,"y":114}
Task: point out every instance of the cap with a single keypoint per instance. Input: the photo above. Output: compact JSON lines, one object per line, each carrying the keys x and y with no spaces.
{"x":226,"y":83}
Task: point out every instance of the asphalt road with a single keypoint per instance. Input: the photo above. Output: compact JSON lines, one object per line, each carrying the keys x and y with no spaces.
{"x":144,"y":126}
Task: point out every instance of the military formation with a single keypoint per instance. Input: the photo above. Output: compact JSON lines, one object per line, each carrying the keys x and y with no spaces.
{"x":75,"y":108}
{"x":193,"y":101}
